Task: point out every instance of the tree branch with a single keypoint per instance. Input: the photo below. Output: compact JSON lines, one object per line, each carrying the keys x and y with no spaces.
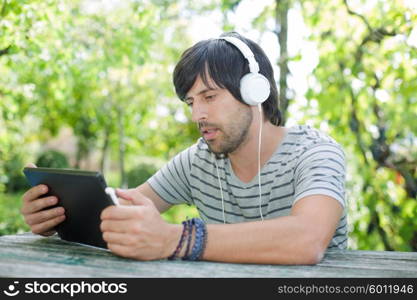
{"x":374,"y":222}
{"x":381,"y":231}
{"x":354,"y":123}
{"x":364,"y":20}
{"x":374,"y":35}
{"x":381,"y":149}
{"x":281,"y":23}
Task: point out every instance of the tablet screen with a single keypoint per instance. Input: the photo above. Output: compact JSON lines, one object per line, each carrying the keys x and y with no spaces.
{"x":82,"y":194}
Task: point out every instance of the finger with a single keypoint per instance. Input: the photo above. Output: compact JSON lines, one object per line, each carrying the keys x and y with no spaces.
{"x":43,"y":216}
{"x":35,"y":192}
{"x":133,"y":196}
{"x":117,"y":238}
{"x":119,"y":226}
{"x":39,"y":204}
{"x":122,"y":190}
{"x":124,"y":201}
{"x":120,"y":250}
{"x":48,"y":225}
{"x":30,"y":165}
{"x":121,"y":212}
{"x":124,"y":194}
{"x":48,"y":233}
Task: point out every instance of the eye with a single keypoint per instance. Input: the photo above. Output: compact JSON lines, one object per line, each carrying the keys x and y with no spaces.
{"x":189,"y":103}
{"x":210,"y":97}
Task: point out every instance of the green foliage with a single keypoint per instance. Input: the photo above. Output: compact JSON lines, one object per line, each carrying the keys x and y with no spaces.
{"x":11,"y":221}
{"x":139,"y":174}
{"x":97,"y":70}
{"x":179,"y":213}
{"x":52,"y":159}
{"x":15,"y":181}
{"x":362,"y":87}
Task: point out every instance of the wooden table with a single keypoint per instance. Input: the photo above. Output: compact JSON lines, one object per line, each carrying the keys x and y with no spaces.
{"x":28,"y":255}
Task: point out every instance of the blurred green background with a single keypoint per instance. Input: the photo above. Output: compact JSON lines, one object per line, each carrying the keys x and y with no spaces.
{"x":87,"y":84}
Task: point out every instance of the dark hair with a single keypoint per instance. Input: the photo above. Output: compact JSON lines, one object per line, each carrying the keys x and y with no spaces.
{"x":225,"y":65}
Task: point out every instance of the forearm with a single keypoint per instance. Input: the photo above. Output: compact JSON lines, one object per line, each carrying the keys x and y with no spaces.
{"x":286,"y":240}
{"x":146,"y":190}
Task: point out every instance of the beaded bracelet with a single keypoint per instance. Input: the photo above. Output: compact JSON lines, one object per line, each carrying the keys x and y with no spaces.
{"x":203,"y":248}
{"x":200,"y":238}
{"x":180,"y":243}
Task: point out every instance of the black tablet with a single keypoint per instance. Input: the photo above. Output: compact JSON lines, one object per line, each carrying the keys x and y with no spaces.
{"x":82,"y":194}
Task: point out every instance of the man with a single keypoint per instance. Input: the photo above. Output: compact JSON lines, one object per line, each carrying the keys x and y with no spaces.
{"x":266,"y":194}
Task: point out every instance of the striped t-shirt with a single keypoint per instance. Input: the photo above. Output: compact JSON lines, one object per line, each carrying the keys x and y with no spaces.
{"x":307,"y":162}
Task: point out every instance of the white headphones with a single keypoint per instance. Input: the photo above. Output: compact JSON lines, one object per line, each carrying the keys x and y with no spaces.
{"x":254,"y":87}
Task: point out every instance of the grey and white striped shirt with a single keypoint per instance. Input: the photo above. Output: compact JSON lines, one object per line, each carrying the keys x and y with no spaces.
{"x":307,"y":162}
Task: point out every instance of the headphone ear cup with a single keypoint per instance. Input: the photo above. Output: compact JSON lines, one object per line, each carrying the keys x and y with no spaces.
{"x":254,"y":88}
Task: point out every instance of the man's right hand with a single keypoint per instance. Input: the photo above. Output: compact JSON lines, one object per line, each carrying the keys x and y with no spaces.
{"x":34,"y":209}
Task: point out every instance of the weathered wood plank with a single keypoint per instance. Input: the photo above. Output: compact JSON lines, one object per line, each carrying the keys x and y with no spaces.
{"x":29,"y":255}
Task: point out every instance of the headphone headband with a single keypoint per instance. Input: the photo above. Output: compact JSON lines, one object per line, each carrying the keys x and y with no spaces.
{"x":254,"y":87}
{"x":245,"y":50}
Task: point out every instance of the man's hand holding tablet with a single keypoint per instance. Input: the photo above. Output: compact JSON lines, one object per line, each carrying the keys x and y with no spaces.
{"x":68,"y":202}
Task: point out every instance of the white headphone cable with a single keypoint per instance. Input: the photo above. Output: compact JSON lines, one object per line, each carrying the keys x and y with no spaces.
{"x":259,"y":170}
{"x":259,"y":159}
{"x":221,"y":188}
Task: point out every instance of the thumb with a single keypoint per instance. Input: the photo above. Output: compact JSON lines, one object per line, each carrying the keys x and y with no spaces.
{"x":124,"y":194}
{"x":134,"y":196}
{"x":31,"y":165}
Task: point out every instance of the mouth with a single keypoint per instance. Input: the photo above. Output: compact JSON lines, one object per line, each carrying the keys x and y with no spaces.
{"x":209,"y":133}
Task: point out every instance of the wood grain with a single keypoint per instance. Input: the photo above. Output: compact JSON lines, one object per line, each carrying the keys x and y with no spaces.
{"x":28,"y":255}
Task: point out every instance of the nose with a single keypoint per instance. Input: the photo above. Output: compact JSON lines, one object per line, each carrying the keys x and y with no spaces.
{"x":198,"y":111}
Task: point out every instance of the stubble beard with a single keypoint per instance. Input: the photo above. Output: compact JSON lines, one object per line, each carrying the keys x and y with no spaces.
{"x":233,"y":135}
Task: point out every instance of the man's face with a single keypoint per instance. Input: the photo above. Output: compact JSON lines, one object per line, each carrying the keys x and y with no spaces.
{"x":222,"y":120}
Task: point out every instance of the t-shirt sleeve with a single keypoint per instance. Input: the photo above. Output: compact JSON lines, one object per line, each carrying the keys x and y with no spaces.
{"x":321,"y":170}
{"x":172,"y":182}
